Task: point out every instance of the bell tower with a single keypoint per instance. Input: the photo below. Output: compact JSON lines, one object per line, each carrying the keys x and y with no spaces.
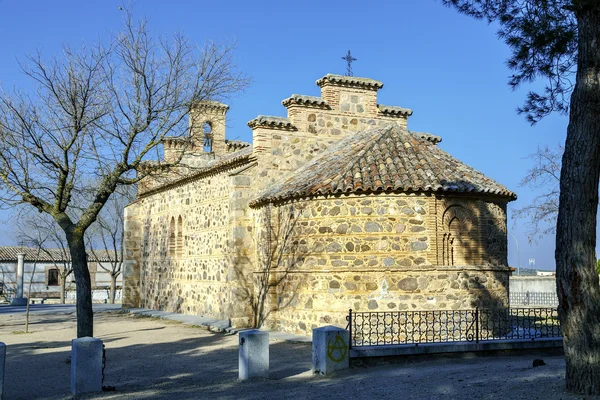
{"x":207,"y":127}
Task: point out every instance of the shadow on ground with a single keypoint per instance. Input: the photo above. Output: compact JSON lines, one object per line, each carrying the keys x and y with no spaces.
{"x":150,"y":359}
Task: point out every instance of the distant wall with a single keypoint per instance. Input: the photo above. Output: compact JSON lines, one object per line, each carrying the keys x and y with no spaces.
{"x":532,"y":291}
{"x":532,"y":284}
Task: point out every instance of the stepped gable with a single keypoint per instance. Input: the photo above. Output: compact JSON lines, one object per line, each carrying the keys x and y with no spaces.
{"x":384,"y":159}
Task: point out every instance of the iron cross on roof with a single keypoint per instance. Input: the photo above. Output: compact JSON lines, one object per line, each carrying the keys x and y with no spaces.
{"x":349,"y":59}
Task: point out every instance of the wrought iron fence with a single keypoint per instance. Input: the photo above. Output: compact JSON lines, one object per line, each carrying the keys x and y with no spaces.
{"x":534,"y":298}
{"x":443,"y":326}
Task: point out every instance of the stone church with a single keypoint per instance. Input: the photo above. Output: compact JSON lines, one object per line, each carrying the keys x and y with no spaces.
{"x":337,"y":206}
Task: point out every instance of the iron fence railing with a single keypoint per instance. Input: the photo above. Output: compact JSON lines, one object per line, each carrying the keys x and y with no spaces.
{"x":443,"y":326}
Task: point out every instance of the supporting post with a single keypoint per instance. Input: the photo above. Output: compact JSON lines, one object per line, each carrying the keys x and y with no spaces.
{"x":330,"y":349}
{"x":2,"y":365}
{"x":476,"y":324}
{"x":253,"y":354}
{"x":86,"y":365}
{"x":19,"y":300}
{"x":350,"y":329}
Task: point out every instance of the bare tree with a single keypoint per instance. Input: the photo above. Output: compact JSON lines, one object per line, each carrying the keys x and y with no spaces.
{"x":108,"y":233}
{"x":544,"y":176}
{"x":37,"y":226}
{"x":99,"y":114}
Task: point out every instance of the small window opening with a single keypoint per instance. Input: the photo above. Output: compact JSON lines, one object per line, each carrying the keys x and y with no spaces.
{"x":172,"y":237}
{"x":179,"y":236}
{"x":208,"y":137}
{"x":52,"y":277}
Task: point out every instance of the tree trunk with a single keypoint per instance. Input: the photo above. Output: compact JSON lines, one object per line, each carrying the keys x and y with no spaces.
{"x":113,"y":288}
{"x":83,"y":285}
{"x":578,"y":288}
{"x":27,"y":313}
{"x":63,"y":287}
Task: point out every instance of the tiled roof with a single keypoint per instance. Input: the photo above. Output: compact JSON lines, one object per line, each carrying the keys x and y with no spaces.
{"x":212,"y":104}
{"x":394,"y":110}
{"x":236,"y":144}
{"x":9,"y":253}
{"x":312,"y":101}
{"x":383,"y":159}
{"x":268,"y":121}
{"x":231,"y":159}
{"x":428,"y":136}
{"x":350,"y":81}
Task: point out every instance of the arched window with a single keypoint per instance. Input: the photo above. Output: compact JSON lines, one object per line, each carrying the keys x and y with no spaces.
{"x":172,"y":243}
{"x":460,"y":239}
{"x":179,"y":236}
{"x":208,"y":137}
{"x":52,"y":277}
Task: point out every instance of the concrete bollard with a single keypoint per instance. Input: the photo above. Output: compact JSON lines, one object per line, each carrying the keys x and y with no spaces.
{"x":254,"y":354}
{"x":330,"y":349}
{"x":86,"y":365}
{"x":2,"y":364}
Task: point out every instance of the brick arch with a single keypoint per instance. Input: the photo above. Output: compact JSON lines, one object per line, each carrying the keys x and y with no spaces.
{"x":460,"y":239}
{"x":457,"y":211}
{"x":207,"y":136}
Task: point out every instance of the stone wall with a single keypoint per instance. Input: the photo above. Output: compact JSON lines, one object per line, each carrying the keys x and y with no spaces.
{"x":184,"y":247}
{"x":377,"y":253}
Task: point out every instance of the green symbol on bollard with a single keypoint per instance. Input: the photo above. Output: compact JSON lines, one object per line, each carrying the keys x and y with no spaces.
{"x":337,"y":350}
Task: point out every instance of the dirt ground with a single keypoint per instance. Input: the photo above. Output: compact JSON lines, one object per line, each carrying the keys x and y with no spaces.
{"x":156,"y":359}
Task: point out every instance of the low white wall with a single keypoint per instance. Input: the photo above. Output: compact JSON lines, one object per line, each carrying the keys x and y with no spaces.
{"x":532,"y":291}
{"x":532,"y":284}
{"x":98,"y":295}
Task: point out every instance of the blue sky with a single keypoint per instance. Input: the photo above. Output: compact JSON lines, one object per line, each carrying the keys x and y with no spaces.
{"x":448,"y":68}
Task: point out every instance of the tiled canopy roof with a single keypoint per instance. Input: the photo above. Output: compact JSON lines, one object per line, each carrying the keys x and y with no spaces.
{"x":350,"y":81}
{"x":236,"y":144}
{"x":383,"y":159}
{"x":270,"y":122}
{"x":311,"y":101}
{"x":9,"y":253}
{"x":394,"y":110}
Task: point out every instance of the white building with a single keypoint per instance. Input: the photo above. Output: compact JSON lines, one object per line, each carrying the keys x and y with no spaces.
{"x":42,"y":270}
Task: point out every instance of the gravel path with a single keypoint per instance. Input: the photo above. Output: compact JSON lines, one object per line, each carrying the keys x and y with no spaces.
{"x":157,"y":359}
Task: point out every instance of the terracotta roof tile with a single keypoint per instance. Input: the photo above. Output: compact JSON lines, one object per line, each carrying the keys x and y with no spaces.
{"x":268,"y":121}
{"x":9,"y":253}
{"x":382,"y":159}
{"x":350,"y":81}
{"x":310,"y":101}
{"x":394,"y":110}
